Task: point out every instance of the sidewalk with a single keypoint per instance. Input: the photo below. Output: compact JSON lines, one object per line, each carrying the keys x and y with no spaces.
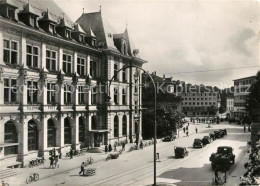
{"x":66,"y":164}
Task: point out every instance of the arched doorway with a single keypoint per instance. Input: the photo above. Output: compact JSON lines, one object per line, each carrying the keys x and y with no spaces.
{"x":11,"y":136}
{"x":116,"y":126}
{"x":32,"y":135}
{"x":124,"y":127}
{"x":51,"y":133}
{"x":67,"y":131}
{"x":81,"y":130}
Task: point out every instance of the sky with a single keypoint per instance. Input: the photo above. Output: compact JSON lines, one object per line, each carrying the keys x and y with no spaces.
{"x":180,"y":38}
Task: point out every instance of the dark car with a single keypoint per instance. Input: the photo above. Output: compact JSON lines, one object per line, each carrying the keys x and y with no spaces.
{"x":169,"y":138}
{"x":223,"y":157}
{"x":218,"y":134}
{"x":212,"y":136}
{"x":206,"y":140}
{"x":197,"y":143}
{"x":180,"y":152}
{"x":223,"y":131}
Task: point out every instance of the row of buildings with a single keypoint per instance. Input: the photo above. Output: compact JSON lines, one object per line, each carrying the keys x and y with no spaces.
{"x":55,"y":81}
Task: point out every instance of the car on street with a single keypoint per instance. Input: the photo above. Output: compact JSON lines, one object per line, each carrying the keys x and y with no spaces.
{"x":223,"y":157}
{"x":180,"y":152}
{"x":212,"y":136}
{"x":169,"y":138}
{"x":197,"y":143}
{"x":223,"y":131}
{"x":218,"y":134}
{"x":206,"y":140}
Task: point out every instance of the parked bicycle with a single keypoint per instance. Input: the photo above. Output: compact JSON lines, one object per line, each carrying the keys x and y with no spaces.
{"x":4,"y":184}
{"x":36,"y":162}
{"x":32,"y":177}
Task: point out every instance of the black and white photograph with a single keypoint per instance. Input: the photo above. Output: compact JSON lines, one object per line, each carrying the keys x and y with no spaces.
{"x":129,"y":92}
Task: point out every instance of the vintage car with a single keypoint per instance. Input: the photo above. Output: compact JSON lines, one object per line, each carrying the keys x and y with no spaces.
{"x":212,"y":136}
{"x":180,"y":152}
{"x":197,"y":143}
{"x":223,"y":157}
{"x":206,"y":140}
{"x":223,"y":131}
{"x":169,"y":138}
{"x":218,"y":134}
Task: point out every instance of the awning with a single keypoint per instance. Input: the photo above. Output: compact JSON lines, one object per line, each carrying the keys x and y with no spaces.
{"x":8,"y":144}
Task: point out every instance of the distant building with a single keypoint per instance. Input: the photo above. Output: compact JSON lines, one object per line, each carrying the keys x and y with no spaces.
{"x":166,"y":95}
{"x":242,"y":87}
{"x":196,"y":99}
{"x":230,"y":106}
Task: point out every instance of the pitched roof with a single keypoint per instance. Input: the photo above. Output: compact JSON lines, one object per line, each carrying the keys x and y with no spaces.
{"x":9,"y":2}
{"x":47,"y":17}
{"x":77,"y":28}
{"x":29,"y":9}
{"x":63,"y":23}
{"x":100,"y":27}
{"x":90,"y":33}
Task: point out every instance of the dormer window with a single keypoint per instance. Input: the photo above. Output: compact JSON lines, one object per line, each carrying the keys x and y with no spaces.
{"x":81,"y":38}
{"x":67,"y":34}
{"x":32,"y":21}
{"x":10,"y":13}
{"x":93,"y":42}
{"x":51,"y":29}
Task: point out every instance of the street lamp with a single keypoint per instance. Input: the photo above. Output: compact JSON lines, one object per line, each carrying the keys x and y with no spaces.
{"x":155,"y":125}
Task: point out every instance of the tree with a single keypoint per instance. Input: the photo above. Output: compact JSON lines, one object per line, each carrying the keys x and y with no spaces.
{"x":212,"y":110}
{"x":221,"y":109}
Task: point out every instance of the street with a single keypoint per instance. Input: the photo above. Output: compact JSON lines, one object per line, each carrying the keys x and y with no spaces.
{"x":136,"y":168}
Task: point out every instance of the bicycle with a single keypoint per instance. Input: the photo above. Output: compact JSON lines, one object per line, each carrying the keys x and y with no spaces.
{"x":32,"y":177}
{"x":4,"y":184}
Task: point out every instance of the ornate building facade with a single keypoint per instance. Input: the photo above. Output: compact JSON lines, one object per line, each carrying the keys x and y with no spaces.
{"x":53,"y":81}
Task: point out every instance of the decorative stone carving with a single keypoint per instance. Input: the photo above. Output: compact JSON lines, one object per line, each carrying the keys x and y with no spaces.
{"x":88,"y":80}
{"x":43,"y":77}
{"x":23,"y":73}
{"x":75,"y":79}
{"x":60,"y":77}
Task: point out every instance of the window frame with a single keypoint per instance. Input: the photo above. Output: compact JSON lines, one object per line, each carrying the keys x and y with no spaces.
{"x":65,"y":63}
{"x":32,"y":56}
{"x":51,"y":60}
{"x":67,"y":94}
{"x":10,"y":89}
{"x":11,"y":51}
{"x":51,"y":91}
{"x":81,"y":95}
{"x":81,"y":64}
{"x":32,"y":92}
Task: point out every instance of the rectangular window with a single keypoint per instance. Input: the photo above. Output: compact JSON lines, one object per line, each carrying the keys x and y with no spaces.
{"x":81,"y":66}
{"x":51,"y":29}
{"x":94,"y":96}
{"x":93,"y":69}
{"x":50,"y":93}
{"x":32,"y":21}
{"x":81,"y":96}
{"x":32,"y":92}
{"x":116,"y":96}
{"x":67,"y":94}
{"x":115,"y":71}
{"x":124,"y":96}
{"x":10,"y":90}
{"x":124,"y":75}
{"x":32,"y":54}
{"x":67,"y":63}
{"x":10,"y":52}
{"x":51,"y":60}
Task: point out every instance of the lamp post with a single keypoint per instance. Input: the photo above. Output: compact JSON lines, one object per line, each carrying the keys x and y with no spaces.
{"x":155,"y":125}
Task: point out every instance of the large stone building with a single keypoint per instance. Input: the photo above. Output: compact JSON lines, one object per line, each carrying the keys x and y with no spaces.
{"x":241,"y":92}
{"x":230,"y":106}
{"x":196,"y":99}
{"x":53,"y":77}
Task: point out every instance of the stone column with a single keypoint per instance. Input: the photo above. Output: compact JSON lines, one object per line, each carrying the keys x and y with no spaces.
{"x":75,"y":132}
{"x":60,"y":60}
{"x":88,"y":65}
{"x":23,"y":139}
{"x":23,"y":53}
{"x":43,"y":134}
{"x":60,"y":132}
{"x":75,"y":59}
{"x":1,"y":84}
{"x":1,"y":51}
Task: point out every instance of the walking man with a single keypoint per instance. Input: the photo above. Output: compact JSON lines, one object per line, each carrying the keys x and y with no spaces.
{"x":187,"y":134}
{"x":184,"y":130}
{"x":109,"y":147}
{"x":71,"y":153}
{"x":106,"y":150}
{"x":123,"y":146}
{"x":51,"y":161}
{"x":82,"y":168}
{"x":196,"y":130}
{"x":115,"y":147}
{"x":244,"y":128}
{"x":141,"y":145}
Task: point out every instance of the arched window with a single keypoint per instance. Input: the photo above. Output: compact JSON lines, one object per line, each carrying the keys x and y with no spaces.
{"x":51,"y":133}
{"x":81,"y":130}
{"x":124,"y":132}
{"x":116,"y":126}
{"x":32,"y":136}
{"x":11,"y":136}
{"x":94,"y":122}
{"x":67,"y":131}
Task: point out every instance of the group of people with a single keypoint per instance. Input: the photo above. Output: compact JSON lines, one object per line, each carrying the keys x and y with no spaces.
{"x":108,"y":148}
{"x":54,"y":158}
{"x":186,"y":130}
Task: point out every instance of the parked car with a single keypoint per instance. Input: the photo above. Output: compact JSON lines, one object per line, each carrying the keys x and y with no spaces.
{"x":223,"y":132}
{"x":198,"y":143}
{"x":206,"y":140}
{"x":223,"y":157}
{"x":169,"y":138}
{"x":180,"y":152}
{"x":218,"y":134}
{"x":212,"y":136}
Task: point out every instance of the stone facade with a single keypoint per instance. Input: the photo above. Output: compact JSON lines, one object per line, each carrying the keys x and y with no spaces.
{"x":54,"y":85}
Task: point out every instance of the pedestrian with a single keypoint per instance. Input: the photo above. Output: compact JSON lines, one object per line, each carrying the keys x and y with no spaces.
{"x":187,"y":134}
{"x":249,"y":128}
{"x":123,"y":146}
{"x":106,"y":149}
{"x":196,"y":130}
{"x":244,"y":128}
{"x":141,"y":145}
{"x":82,"y":168}
{"x":115,"y":146}
{"x":184,"y":130}
{"x":54,"y":152}
{"x":51,"y":161}
{"x":71,"y":153}
{"x":109,"y":147}
{"x":56,"y":164}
